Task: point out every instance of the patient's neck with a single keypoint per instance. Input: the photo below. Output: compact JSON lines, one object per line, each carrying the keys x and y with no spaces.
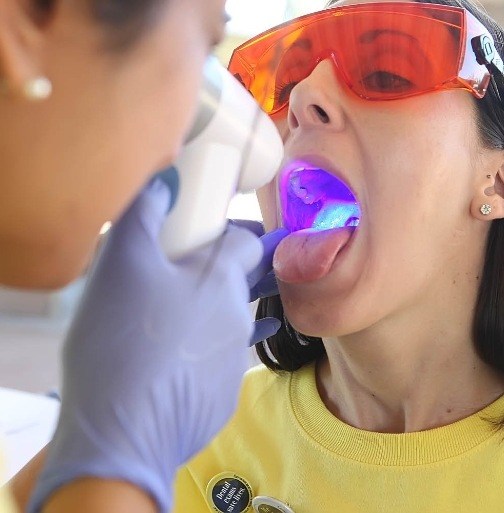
{"x":406,"y":376}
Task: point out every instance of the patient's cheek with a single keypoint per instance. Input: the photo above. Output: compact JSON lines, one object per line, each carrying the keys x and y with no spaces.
{"x":267,"y":201}
{"x":267,"y":195}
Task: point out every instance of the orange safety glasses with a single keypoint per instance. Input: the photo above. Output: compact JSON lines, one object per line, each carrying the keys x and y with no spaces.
{"x":381,"y":51}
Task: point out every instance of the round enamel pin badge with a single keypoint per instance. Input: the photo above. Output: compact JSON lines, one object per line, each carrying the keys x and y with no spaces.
{"x":229,"y":493}
{"x":269,"y":505}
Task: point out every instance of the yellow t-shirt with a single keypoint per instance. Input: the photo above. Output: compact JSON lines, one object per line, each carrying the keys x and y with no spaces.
{"x":286,"y":445}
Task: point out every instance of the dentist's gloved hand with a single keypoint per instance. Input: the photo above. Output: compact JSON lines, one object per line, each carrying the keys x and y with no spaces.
{"x":155,"y":356}
{"x":262,"y":281}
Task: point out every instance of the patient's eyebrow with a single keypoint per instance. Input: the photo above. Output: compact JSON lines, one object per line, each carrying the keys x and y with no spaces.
{"x":371,"y":35}
{"x":303,"y":43}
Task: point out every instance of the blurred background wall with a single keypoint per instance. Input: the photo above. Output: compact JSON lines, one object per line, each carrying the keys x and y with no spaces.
{"x":495,"y":8}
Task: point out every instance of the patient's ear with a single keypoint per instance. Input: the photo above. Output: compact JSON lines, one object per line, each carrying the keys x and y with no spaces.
{"x":22,"y":31}
{"x":488,"y":201}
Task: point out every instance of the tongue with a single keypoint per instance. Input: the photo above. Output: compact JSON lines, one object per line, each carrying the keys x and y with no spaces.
{"x":308,"y":255}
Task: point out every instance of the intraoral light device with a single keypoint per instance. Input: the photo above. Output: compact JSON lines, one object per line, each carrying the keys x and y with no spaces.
{"x":233,"y":147}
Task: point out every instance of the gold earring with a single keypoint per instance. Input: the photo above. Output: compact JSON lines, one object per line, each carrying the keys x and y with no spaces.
{"x":37,"y":89}
{"x":486,"y":209}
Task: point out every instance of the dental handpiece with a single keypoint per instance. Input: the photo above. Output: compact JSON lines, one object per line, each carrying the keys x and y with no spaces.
{"x":233,"y":147}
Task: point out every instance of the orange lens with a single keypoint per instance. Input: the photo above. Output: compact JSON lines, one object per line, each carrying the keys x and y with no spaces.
{"x":381,"y":51}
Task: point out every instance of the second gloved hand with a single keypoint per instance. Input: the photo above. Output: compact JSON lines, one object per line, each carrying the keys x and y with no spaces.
{"x":262,"y":281}
{"x":155,"y":356}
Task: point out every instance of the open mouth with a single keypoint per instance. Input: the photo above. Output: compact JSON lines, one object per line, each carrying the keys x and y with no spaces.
{"x":313,"y":198}
{"x":322,"y":214}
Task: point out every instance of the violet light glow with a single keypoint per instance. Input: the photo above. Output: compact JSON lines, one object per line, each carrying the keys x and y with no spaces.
{"x":312,"y":198}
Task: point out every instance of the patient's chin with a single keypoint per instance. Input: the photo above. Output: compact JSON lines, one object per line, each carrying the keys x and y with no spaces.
{"x":323,"y":317}
{"x":309,"y":320}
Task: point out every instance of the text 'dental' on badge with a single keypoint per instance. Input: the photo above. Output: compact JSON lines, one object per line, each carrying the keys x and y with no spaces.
{"x":229,"y":493}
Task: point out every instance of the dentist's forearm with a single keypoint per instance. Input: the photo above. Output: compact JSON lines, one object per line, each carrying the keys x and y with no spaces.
{"x":92,"y":495}
{"x":80,"y":496}
{"x":23,"y":483}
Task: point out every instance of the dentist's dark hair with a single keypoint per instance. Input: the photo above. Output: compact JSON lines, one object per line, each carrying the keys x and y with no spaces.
{"x":289,"y":350}
{"x":124,"y":21}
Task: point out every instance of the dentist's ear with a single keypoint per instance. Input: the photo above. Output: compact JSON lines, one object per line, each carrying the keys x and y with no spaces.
{"x":488,"y":202}
{"x":22,"y":25}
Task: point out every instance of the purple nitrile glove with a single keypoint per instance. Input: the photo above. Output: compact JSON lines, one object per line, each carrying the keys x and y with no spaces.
{"x":262,"y":280}
{"x":154,"y":358}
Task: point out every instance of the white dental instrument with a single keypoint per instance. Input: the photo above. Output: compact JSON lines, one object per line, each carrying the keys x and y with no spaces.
{"x":233,"y":147}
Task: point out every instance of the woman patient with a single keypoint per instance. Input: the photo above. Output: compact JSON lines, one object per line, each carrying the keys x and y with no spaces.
{"x":384,"y":391}
{"x":388,"y":375}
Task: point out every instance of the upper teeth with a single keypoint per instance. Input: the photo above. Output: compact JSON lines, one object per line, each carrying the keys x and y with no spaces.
{"x":300,"y":191}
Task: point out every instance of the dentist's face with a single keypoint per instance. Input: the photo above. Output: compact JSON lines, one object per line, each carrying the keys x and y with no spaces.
{"x":411,"y":164}
{"x":115,"y":117}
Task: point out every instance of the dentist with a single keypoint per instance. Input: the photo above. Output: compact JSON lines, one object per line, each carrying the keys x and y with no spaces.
{"x":95,"y":97}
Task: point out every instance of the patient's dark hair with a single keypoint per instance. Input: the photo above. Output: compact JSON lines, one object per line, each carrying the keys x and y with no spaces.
{"x":289,"y":350}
